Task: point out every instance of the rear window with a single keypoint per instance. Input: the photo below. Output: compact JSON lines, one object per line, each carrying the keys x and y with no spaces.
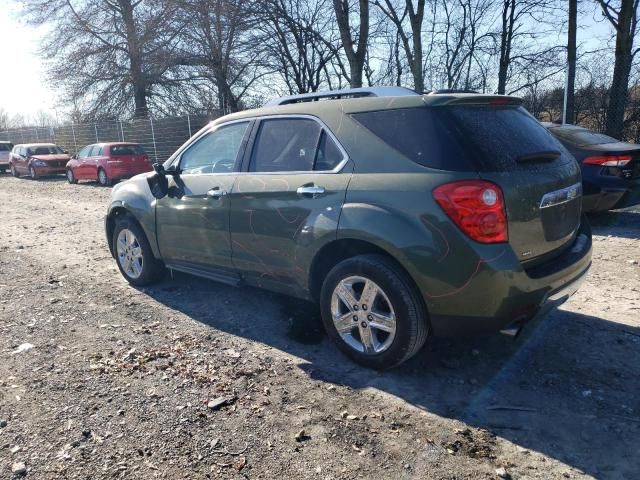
{"x":5,"y":147}
{"x":117,"y":150}
{"x":462,"y":138}
{"x":582,"y":136}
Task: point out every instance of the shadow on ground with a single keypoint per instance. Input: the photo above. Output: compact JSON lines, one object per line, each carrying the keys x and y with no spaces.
{"x":568,"y":388}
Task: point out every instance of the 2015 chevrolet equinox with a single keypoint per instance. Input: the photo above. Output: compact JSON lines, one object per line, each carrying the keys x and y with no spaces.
{"x":403,"y":215}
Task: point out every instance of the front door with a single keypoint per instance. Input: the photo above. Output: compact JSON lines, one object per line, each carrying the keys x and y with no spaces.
{"x":288,"y":201}
{"x":193,"y":219}
{"x":80,"y":172}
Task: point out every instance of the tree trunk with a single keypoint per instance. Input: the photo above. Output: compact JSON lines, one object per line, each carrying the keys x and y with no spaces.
{"x":138,"y":82}
{"x":506,"y":37}
{"x":356,"y":57}
{"x":620,"y":84}
{"x":570,"y":115}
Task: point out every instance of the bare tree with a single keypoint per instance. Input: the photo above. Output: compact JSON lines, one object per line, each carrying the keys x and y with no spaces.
{"x":623,"y":16}
{"x":221,"y":43}
{"x":297,"y":40}
{"x":109,"y":52}
{"x":410,"y":35}
{"x":355,"y":47}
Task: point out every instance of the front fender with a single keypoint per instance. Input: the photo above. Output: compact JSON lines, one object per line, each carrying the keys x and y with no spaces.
{"x":134,"y":198}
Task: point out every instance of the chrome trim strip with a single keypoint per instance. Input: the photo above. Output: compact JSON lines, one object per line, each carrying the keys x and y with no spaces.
{"x":564,"y":195}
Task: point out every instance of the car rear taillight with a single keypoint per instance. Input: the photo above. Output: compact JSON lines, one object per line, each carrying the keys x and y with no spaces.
{"x":608,"y":160}
{"x":476,"y":207}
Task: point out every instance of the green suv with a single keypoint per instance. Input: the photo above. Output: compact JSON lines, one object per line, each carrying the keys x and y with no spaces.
{"x":401,"y":215}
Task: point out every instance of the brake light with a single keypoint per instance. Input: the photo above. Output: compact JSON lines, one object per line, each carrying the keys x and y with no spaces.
{"x":608,"y":160}
{"x":477,"y":207}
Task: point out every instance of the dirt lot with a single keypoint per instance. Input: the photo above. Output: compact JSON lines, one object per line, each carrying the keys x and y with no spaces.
{"x":119,"y":380}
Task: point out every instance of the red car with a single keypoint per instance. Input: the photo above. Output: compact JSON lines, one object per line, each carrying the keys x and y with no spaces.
{"x":108,"y":162}
{"x":37,"y":159}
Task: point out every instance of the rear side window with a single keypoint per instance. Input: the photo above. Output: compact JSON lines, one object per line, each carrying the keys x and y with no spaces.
{"x":470,"y":138}
{"x":293,"y":145}
{"x":117,"y":150}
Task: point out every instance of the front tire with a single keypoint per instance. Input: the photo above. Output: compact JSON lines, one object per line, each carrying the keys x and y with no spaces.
{"x":103,"y":178}
{"x":373,"y":311}
{"x":71,"y":177}
{"x":133,"y":253}
{"x":32,"y":173}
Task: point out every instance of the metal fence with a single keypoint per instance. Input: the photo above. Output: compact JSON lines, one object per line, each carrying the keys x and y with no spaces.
{"x":159,"y":137}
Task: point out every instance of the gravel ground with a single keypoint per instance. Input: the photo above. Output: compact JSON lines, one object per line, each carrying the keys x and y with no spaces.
{"x":192,"y":379}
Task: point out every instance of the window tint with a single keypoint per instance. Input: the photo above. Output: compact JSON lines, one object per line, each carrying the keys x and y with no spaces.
{"x":216,"y":151}
{"x":482,"y":138}
{"x":95,"y":151}
{"x":329,"y":155}
{"x":582,"y":136}
{"x":419,"y":135}
{"x":5,"y":147}
{"x":44,"y":150}
{"x":285,"y":145}
{"x":126,"y":150}
{"x":84,"y":153}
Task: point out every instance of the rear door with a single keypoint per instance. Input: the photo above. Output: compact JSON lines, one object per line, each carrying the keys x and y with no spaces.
{"x":540,"y":179}
{"x":287,"y":200}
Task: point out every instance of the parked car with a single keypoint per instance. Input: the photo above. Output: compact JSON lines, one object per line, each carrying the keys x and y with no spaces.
{"x":37,"y":159}
{"x":108,"y":162}
{"x":610,"y":167}
{"x":402,"y":215}
{"x":5,"y":155}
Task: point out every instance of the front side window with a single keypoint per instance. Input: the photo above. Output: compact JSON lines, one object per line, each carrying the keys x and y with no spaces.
{"x":95,"y":151}
{"x":214,"y":152}
{"x":84,"y":153}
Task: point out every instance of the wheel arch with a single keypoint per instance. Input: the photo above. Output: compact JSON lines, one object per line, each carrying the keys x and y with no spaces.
{"x":341,"y":249}
{"x":118,"y":210}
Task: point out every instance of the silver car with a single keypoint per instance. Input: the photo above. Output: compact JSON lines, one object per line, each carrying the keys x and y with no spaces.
{"x":5,"y":154}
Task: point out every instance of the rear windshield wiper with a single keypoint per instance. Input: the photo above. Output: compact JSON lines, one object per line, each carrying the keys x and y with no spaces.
{"x":548,"y":156}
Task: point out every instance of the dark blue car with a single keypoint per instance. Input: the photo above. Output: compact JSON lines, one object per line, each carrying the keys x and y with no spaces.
{"x":610,"y":168}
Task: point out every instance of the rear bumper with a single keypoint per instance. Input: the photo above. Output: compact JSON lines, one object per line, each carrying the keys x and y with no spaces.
{"x":4,"y":164}
{"x":605,"y":192}
{"x":116,"y":173}
{"x":514,"y":298}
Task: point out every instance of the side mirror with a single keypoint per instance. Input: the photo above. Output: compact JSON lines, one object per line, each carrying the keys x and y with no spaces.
{"x":158,"y":183}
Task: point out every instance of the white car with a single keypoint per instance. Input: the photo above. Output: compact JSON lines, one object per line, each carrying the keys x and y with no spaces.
{"x":5,"y":154}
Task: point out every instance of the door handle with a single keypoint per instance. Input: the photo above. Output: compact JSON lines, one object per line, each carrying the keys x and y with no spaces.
{"x":310,"y":190}
{"x":216,"y":193}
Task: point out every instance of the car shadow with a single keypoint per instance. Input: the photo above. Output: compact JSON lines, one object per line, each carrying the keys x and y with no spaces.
{"x":619,"y":223}
{"x":567,"y":389}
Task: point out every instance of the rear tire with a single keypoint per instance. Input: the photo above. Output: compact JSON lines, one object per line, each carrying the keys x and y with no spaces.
{"x":71,"y":177}
{"x":384,"y":333}
{"x":32,"y":173}
{"x":103,"y":178}
{"x":133,"y":253}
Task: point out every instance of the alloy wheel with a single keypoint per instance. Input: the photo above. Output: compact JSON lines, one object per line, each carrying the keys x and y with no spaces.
{"x":363,"y":315}
{"x":129,"y":253}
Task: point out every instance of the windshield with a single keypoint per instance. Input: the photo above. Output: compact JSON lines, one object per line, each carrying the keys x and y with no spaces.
{"x":582,"y":136}
{"x":5,"y":147}
{"x":44,"y":150}
{"x":127,"y":150}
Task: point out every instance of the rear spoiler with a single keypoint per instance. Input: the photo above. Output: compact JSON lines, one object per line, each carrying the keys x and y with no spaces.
{"x":474,"y":100}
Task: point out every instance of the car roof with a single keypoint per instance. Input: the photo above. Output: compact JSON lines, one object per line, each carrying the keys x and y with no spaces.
{"x":30,"y":145}
{"x":322,"y":107}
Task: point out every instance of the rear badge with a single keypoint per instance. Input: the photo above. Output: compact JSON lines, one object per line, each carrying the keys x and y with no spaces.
{"x":561,"y":196}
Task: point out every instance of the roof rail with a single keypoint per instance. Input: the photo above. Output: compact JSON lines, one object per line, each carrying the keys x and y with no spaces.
{"x":344,"y":93}
{"x":450,"y":90}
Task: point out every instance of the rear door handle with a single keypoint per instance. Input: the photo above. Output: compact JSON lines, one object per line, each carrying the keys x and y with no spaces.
{"x":216,"y":193}
{"x":310,"y":190}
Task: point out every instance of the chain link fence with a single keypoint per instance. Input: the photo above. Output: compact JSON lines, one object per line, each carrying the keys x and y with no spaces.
{"x":159,"y":137}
